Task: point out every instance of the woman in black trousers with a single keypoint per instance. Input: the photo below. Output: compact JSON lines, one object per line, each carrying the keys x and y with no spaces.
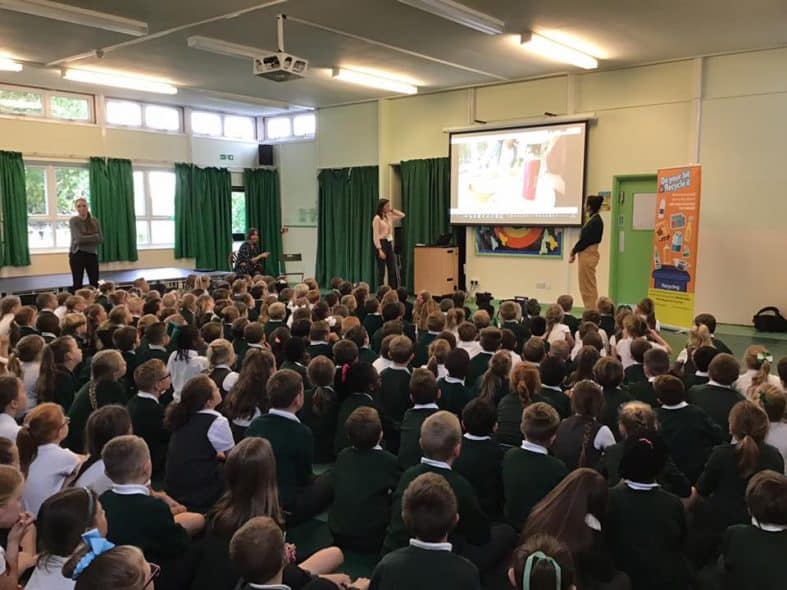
{"x":382,"y":236}
{"x":85,"y":237}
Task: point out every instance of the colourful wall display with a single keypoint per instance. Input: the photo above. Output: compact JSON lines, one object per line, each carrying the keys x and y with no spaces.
{"x":544,"y":242}
{"x":674,"y":260}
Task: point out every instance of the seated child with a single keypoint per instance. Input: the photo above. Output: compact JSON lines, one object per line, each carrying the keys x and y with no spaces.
{"x":301,"y":493}
{"x":429,"y":512}
{"x":490,"y":339}
{"x":277,"y":313}
{"x":48,"y":326}
{"x":384,"y":360}
{"x":157,"y":340}
{"x":492,"y":385}
{"x":199,"y":440}
{"x":295,"y":354}
{"x":646,"y":525}
{"x":13,"y":401}
{"x":606,"y":311}
{"x":468,"y":338}
{"x":147,"y":411}
{"x":361,"y":383}
{"x":582,"y":438}
{"x":709,"y":321}
{"x":525,"y":385}
{"x":773,"y":401}
{"x":690,"y":434}
{"x":481,"y":458}
{"x":510,"y":313}
{"x":185,"y":362}
{"x":542,"y":563}
{"x":135,"y":517}
{"x":435,"y":323}
{"x":364,"y":477}
{"x":701,"y":359}
{"x":361,"y":338}
{"x":718,"y":396}
{"x":608,"y":372}
{"x":18,"y":549}
{"x":656,"y":363}
{"x":126,"y":341}
{"x":394,"y":396}
{"x":753,"y":554}
{"x":221,"y":360}
{"x":566,"y":303}
{"x":535,"y":350}
{"x":758,"y":371}
{"x":454,"y":390}
{"x":318,"y":340}
{"x":373,"y":320}
{"x":553,"y":373}
{"x":529,"y":472}
{"x":321,"y":408}
{"x":424,"y":395}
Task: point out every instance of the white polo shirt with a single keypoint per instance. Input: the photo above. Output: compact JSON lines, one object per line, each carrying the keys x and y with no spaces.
{"x":47,"y":474}
{"x":94,"y":479}
{"x":8,"y":427}
{"x":181,"y":371}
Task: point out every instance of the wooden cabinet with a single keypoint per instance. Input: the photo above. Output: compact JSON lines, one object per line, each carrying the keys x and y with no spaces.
{"x":436,"y":269}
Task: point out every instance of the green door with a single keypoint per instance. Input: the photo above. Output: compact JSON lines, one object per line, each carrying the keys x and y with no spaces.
{"x":634,"y":203}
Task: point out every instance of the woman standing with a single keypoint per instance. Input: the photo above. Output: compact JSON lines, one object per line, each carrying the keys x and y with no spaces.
{"x":587,"y":248}
{"x":249,"y":258}
{"x":85,"y":237}
{"x":382,"y":236}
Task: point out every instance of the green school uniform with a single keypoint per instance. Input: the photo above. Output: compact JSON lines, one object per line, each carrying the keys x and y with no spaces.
{"x":478,"y":365}
{"x":409,"y":445}
{"x":395,"y":393}
{"x":529,"y":474}
{"x":454,"y":395}
{"x":634,"y":374}
{"x":753,"y":558}
{"x":509,"y":420}
{"x":367,"y":355}
{"x":316,"y":349}
{"x":690,"y":435}
{"x":300,"y":369}
{"x":351,"y":403}
{"x":422,"y":348}
{"x":107,"y":392}
{"x":556,"y":398}
{"x":481,"y":461}
{"x":417,"y":568}
{"x":644,"y":392}
{"x":717,"y":401}
{"x":671,"y":479}
{"x":614,"y":397}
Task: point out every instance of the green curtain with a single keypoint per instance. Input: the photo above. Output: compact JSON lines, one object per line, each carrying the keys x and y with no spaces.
{"x":348,"y":198}
{"x":426,"y":200}
{"x":112,"y":201}
{"x":203,"y":216}
{"x":14,"y":250}
{"x":263,"y":211}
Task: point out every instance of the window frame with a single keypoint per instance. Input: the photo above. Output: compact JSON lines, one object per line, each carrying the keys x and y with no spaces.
{"x":51,"y":217}
{"x":292,"y":137}
{"x":143,"y":126}
{"x":148,"y":217}
{"x":188,"y":111}
{"x":46,"y":101}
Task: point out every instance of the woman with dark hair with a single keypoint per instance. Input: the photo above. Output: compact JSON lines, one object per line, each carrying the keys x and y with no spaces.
{"x":587,"y":249}
{"x":85,"y":238}
{"x":382,"y":236}
{"x":249,"y":258}
{"x":574,"y":514}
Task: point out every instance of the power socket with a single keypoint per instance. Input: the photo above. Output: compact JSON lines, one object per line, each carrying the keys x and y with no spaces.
{"x":473,"y":282}
{"x":544,"y":285}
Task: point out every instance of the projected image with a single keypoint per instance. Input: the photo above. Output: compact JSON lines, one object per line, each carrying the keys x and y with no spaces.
{"x":519,"y":175}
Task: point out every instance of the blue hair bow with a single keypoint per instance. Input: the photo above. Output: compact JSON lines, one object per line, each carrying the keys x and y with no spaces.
{"x":96,"y":546}
{"x":531,"y":562}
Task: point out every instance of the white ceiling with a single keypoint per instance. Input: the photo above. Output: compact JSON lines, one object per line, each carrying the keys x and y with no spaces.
{"x":619,"y":32}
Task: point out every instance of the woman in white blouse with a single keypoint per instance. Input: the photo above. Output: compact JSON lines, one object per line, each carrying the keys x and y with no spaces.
{"x":382,"y":236}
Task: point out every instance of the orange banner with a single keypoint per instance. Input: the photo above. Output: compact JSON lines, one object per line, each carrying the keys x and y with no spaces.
{"x":674,"y":260}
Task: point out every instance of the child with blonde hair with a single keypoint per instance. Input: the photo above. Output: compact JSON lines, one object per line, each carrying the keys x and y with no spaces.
{"x":758,"y":361}
{"x":556,"y":329}
{"x":774,"y":402}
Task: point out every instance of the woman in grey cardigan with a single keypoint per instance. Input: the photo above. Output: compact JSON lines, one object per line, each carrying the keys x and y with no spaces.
{"x":85,"y":237}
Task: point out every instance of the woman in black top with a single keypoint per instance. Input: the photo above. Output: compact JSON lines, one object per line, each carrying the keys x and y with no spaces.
{"x":587,"y":248}
{"x":249,"y":258}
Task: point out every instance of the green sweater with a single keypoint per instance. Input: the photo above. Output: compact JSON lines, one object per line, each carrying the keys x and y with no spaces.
{"x":481,"y":462}
{"x":717,"y":401}
{"x":321,"y":349}
{"x":301,"y":370}
{"x":348,"y":406}
{"x":528,"y":477}
{"x":473,"y":523}
{"x":753,"y":558}
{"x":643,"y":391}
{"x":671,"y":479}
{"x":453,"y":396}
{"x":614,"y":397}
{"x":367,"y":355}
{"x":107,"y":392}
{"x":555,"y":398}
{"x":509,"y":420}
{"x":646,"y":531}
{"x":690,"y":435}
{"x":363,"y":483}
{"x":147,"y":420}
{"x":478,"y":366}
{"x":421,"y":356}
{"x":395,"y":394}
{"x":634,"y":374}
{"x":293,"y":447}
{"x":413,"y":568}
{"x":145,"y":522}
{"x":409,"y":444}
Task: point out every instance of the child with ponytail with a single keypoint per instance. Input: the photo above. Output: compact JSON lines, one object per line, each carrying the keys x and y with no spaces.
{"x":556,"y":329}
{"x":581,"y":439}
{"x":97,"y":564}
{"x":731,"y":466}
{"x":46,"y":465}
{"x":758,"y":362}
{"x":57,"y":381}
{"x":247,"y":398}
{"x":25,"y":363}
{"x":493,"y":385}
{"x":321,"y":408}
{"x":524,"y":385}
{"x":542,"y":563}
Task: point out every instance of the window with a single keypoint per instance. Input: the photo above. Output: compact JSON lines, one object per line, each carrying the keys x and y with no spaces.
{"x":238,"y":210}
{"x":239,"y":127}
{"x":124,"y":112}
{"x":21,"y":102}
{"x":154,"y":207}
{"x":74,"y":108}
{"x":278,"y":128}
{"x":162,"y":118}
{"x":34,"y":102}
{"x":51,"y":193}
{"x":206,"y":123}
{"x":304,"y":125}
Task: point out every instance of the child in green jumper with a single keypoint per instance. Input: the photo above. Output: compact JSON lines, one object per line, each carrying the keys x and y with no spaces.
{"x":395,"y":388}
{"x":424,"y":395}
{"x":364,"y":477}
{"x":454,"y":390}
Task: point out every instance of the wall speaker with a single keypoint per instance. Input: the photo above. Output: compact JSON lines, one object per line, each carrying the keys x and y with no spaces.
{"x":266,"y":155}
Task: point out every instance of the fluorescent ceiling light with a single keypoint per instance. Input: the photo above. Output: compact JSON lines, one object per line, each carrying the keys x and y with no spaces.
{"x":373,"y":81}
{"x":9,"y":65}
{"x":223,"y":47}
{"x":460,"y":14}
{"x":557,"y":51}
{"x":77,"y":16}
{"x":104,"y":78}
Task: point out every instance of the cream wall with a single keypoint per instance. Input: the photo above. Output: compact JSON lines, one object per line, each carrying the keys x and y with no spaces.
{"x":297,"y":164}
{"x":68,"y":142}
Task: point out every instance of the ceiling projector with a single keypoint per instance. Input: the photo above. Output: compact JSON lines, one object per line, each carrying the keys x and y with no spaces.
{"x":280,"y":67}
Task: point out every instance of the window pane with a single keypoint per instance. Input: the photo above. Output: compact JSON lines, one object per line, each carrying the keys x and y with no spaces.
{"x":143,"y":236}
{"x":62,"y":234}
{"x":35,"y":185}
{"x":164,"y":118}
{"x":70,"y":107}
{"x":39,"y":234}
{"x":123,"y":112}
{"x":70,"y":185}
{"x":239,"y":127}
{"x":163,"y":232}
{"x":139,"y":194}
{"x":277,"y":128}
{"x":206,"y":123}
{"x":17,"y":102}
{"x":238,"y":212}
{"x":304,"y":125}
{"x":162,"y":194}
